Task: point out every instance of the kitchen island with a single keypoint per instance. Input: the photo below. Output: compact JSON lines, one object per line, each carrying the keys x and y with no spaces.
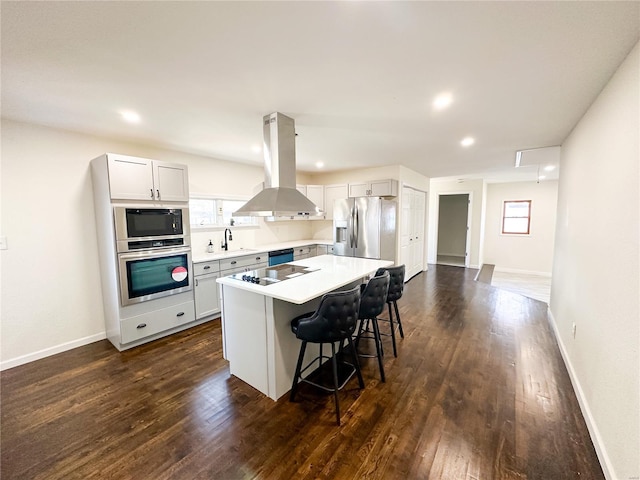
{"x":257,"y":337}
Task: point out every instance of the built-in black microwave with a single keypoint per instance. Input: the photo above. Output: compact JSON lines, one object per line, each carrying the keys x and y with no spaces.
{"x":145,"y":228}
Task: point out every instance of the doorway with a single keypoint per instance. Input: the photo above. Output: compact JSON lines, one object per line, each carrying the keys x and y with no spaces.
{"x":453,"y":229}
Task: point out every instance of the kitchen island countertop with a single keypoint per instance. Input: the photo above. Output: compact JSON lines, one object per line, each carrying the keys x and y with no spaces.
{"x":329,"y":273}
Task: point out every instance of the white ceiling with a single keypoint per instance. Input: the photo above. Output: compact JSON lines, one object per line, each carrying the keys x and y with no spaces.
{"x":358,"y":77}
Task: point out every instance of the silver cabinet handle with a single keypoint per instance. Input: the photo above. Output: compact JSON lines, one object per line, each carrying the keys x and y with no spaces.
{"x":151,"y":189}
{"x":158,"y":192}
{"x":207,"y":267}
{"x":234,"y":262}
{"x":142,"y":325}
{"x":196,"y":282}
{"x":180,"y":314}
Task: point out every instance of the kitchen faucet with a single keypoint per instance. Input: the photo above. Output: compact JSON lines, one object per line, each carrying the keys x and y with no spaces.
{"x":225,"y":245}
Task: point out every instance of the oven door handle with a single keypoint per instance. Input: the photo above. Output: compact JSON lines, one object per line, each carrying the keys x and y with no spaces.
{"x":164,"y":252}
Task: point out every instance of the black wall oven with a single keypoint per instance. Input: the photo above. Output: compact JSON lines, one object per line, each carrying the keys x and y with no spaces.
{"x":144,"y":228}
{"x":149,"y":274}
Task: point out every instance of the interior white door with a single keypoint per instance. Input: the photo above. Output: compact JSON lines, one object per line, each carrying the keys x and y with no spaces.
{"x":412,"y":231}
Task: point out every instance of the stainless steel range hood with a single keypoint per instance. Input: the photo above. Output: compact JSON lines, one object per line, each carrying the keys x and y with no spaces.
{"x":280,"y":198}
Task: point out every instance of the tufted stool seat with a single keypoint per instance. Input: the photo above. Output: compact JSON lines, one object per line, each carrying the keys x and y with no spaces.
{"x":396,"y":287}
{"x":333,"y":321}
{"x":372,"y":301}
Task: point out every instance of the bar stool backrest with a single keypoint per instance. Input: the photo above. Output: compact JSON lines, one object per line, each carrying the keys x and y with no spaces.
{"x":396,"y":283}
{"x":374,"y":296}
{"x":334,"y":319}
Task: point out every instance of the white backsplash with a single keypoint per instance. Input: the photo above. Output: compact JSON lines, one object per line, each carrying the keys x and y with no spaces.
{"x":265,"y":233}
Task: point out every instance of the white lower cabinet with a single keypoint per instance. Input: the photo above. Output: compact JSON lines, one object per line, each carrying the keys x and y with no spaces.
{"x":205,"y":288}
{"x":141,"y":326}
{"x":206,"y":295}
{"x":324,"y":249}
{"x":302,"y":252}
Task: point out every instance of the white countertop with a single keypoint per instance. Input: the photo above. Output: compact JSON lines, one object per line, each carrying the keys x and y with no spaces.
{"x":333,"y":272}
{"x":205,"y":257}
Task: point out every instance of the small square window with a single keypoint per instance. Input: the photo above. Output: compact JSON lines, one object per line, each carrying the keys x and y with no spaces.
{"x":516,"y":217}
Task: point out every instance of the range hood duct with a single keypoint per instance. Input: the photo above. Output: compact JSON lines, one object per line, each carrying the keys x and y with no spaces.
{"x":280,"y":198}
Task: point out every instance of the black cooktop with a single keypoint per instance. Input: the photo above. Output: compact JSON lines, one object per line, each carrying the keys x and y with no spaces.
{"x":271,"y":275}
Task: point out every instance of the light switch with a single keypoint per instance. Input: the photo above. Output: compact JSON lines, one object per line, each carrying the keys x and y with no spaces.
{"x":3,"y":243}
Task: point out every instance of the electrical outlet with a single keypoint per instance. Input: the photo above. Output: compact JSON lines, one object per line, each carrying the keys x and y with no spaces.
{"x":3,"y":243}
{"x":573,"y":329}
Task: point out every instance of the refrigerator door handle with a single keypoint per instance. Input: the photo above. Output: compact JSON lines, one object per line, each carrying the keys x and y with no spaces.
{"x":356,"y":228}
{"x":351,"y":230}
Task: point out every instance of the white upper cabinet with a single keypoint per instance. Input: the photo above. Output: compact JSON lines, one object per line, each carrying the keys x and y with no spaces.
{"x":315,"y":193}
{"x":134,"y":178}
{"x":331,"y":194}
{"x":171,"y":182}
{"x":374,"y":188}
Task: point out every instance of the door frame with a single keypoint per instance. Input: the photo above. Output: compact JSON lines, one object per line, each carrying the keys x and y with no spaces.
{"x":467,"y":247}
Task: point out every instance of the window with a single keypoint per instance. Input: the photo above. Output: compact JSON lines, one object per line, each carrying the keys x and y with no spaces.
{"x":516,"y":217}
{"x":216,"y":212}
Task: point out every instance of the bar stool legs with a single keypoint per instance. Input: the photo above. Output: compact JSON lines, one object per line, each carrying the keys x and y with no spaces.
{"x":334,"y":371}
{"x":392,"y":323}
{"x":364,"y":332}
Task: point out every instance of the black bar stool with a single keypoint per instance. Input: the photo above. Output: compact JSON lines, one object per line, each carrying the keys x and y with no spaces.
{"x":334,"y":321}
{"x":373,"y":298}
{"x":396,"y":287}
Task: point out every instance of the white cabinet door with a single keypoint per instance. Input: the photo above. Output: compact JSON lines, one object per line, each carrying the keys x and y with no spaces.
{"x":206,"y":295}
{"x":374,"y":188}
{"x":133,"y":178}
{"x":130,"y":178}
{"x":383,"y":188}
{"x":315,"y":193}
{"x":171,"y":182}
{"x":331,"y":194}
{"x":358,"y":189}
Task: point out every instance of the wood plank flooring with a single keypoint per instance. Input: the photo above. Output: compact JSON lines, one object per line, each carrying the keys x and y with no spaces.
{"x":478,"y":391}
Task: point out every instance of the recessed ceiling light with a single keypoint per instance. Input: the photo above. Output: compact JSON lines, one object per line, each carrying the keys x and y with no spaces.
{"x":130,"y":116}
{"x":442,"y":101}
{"x":319,"y":164}
{"x":467,"y":141}
{"x":541,"y":177}
{"x":549,"y":168}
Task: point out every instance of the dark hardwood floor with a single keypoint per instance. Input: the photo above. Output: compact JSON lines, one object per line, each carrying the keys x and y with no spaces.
{"x":478,"y":391}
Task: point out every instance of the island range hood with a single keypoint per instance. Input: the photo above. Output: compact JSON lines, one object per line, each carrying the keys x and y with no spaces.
{"x":280,"y":198}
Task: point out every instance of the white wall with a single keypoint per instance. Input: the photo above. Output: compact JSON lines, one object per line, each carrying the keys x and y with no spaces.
{"x":475,"y":190}
{"x":51,"y":299}
{"x":596,"y":281}
{"x":521,"y":253}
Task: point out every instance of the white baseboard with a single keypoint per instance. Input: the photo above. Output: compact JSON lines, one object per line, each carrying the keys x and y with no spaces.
{"x":522,"y":272}
{"x":47,"y":352}
{"x":601,"y":452}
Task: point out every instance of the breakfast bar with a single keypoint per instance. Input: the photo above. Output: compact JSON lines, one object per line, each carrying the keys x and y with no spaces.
{"x":257,"y":311}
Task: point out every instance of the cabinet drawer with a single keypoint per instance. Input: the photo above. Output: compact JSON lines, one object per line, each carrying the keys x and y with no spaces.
{"x":246,"y":268}
{"x":141,"y":326}
{"x":243,"y":261}
{"x":205,"y":268}
{"x":301,"y":252}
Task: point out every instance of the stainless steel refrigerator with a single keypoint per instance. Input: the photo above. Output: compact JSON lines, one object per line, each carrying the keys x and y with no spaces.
{"x":365,"y":227}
